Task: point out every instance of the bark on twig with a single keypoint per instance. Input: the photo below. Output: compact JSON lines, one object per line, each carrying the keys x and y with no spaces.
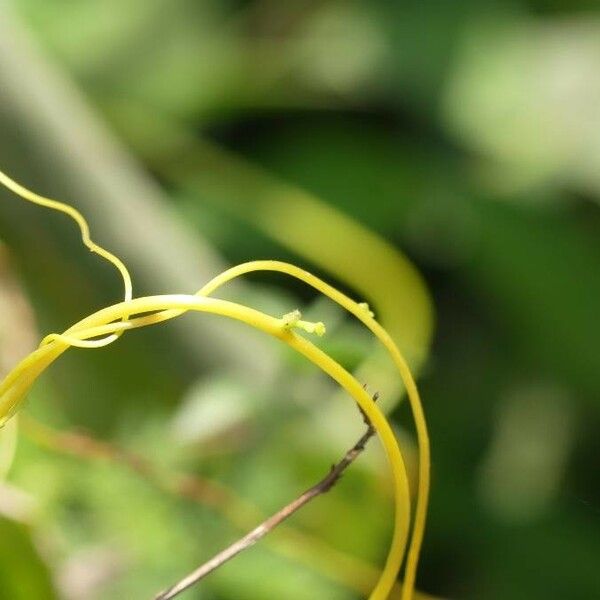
{"x":273,"y":521}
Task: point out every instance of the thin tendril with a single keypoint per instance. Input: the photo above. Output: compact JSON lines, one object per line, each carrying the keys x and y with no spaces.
{"x":30,"y":196}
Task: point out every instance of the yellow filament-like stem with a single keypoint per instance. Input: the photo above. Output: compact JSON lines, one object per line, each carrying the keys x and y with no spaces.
{"x":22,"y":377}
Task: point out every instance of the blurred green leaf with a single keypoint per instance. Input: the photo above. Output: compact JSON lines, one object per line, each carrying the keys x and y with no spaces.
{"x":23,"y":574}
{"x":534,"y":270}
{"x":524,"y":93}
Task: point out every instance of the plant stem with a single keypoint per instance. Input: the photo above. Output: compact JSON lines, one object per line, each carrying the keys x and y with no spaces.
{"x":272,"y":522}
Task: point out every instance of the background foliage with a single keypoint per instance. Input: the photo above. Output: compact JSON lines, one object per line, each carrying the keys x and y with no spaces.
{"x":437,"y":159}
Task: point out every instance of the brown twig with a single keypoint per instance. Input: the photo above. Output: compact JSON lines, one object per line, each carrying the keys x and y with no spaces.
{"x":273,"y":521}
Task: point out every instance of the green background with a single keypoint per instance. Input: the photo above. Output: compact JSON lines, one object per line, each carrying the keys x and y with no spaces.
{"x":440,"y":160}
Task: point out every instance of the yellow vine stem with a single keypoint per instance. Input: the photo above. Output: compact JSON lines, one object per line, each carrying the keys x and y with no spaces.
{"x":112,"y":321}
{"x":30,"y":196}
